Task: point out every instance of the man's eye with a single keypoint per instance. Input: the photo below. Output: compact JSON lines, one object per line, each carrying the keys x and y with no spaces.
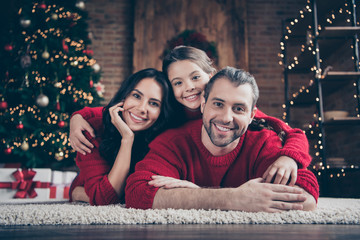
{"x":218,"y":104}
{"x":239,"y":109}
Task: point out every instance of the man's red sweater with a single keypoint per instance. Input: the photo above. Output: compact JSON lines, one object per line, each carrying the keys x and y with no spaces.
{"x":179,"y":153}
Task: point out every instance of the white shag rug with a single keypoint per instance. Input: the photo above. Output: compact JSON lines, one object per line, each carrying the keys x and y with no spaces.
{"x":329,"y":211}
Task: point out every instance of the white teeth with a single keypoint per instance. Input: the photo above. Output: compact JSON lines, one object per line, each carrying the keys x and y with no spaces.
{"x":222,"y":128}
{"x":137,"y":118}
{"x":191,"y":97}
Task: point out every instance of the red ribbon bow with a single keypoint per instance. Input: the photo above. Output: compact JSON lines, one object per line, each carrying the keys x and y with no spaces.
{"x":24,"y":183}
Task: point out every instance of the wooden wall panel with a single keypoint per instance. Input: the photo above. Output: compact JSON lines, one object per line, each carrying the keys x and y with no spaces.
{"x":221,"y":21}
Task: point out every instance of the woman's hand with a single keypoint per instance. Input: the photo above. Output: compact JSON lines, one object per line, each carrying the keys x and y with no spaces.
{"x":124,"y":130}
{"x":77,"y":139}
{"x":169,"y":182}
{"x":79,"y":195}
{"x":281,"y":171}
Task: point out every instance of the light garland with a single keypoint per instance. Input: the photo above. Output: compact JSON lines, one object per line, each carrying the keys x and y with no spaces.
{"x":309,"y":48}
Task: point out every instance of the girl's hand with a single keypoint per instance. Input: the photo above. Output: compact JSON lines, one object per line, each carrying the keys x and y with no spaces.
{"x":169,"y":182}
{"x":281,"y":171}
{"x":77,"y":139}
{"x":118,"y":122}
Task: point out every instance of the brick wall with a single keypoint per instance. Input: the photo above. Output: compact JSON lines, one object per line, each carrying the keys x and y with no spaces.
{"x":264,"y":30}
{"x":111,"y":24}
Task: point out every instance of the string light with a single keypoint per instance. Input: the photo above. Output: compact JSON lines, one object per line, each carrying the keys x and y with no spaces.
{"x":310,"y":48}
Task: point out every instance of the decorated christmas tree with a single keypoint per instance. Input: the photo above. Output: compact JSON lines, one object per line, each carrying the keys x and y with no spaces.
{"x":46,"y":73}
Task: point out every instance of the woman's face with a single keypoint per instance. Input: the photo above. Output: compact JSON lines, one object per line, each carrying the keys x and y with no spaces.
{"x":188,"y":81}
{"x":142,"y":106}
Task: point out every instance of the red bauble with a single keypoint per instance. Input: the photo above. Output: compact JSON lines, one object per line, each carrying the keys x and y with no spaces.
{"x":91,"y":83}
{"x":61,"y":124}
{"x":20,"y":126}
{"x":42,"y":5}
{"x":3,"y":104}
{"x":7,"y":151}
{"x":8,"y":47}
{"x":68,"y":78}
{"x":58,"y":106}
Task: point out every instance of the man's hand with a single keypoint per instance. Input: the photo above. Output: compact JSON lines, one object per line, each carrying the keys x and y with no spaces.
{"x":257,"y":196}
{"x":169,"y":182}
{"x":281,"y":171}
{"x":77,"y":139}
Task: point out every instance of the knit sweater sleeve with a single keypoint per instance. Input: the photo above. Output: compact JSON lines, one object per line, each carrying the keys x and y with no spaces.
{"x":296,"y":144}
{"x":90,"y":112}
{"x":160,"y":160}
{"x":269,"y":152}
{"x":94,"y":171}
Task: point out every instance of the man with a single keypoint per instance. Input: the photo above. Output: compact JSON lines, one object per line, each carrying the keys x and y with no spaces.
{"x":221,"y":155}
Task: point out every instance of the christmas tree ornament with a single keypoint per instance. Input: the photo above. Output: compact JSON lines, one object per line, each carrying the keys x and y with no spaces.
{"x":25,"y":61}
{"x":59,"y":155}
{"x":54,"y":16}
{"x":20,"y":126}
{"x":3,"y":104}
{"x":42,"y":100}
{"x":96,"y":67}
{"x":57,"y":106}
{"x":45,"y":55}
{"x":25,"y":82}
{"x":65,"y":47}
{"x":68,"y":78}
{"x":24,"y":146}
{"x":25,"y":22}
{"x":80,"y":4}
{"x":42,"y":6}
{"x":8,"y":47}
{"x":100,"y":89}
{"x":91,"y":83}
{"x":61,"y":124}
{"x":7,"y":150}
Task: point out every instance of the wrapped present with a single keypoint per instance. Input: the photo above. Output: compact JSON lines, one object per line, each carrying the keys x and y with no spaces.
{"x":60,"y":184}
{"x":24,"y":183}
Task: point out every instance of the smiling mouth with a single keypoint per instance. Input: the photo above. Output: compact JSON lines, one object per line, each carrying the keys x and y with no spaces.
{"x":192,"y":98}
{"x":137,"y":118}
{"x":222,"y":129}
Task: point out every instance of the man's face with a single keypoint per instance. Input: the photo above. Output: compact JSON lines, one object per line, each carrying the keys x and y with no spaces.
{"x":226,"y":114}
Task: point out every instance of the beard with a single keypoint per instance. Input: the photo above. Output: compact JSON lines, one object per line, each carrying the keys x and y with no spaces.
{"x":222,"y":140}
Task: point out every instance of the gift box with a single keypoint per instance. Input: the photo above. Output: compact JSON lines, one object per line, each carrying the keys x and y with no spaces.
{"x":60,"y":184}
{"x":17,"y":183}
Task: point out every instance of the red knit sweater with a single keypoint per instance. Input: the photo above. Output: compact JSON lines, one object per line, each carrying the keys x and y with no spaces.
{"x":93,"y":175}
{"x":179,"y":153}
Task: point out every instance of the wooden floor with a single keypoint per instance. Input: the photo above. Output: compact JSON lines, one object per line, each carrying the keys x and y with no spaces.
{"x":248,"y":232}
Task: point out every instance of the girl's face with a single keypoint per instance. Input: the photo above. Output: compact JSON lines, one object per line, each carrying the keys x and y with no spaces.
{"x":142,"y":106}
{"x":188,"y":81}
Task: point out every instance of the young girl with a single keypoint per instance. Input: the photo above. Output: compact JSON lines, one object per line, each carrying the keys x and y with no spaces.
{"x":188,"y":70}
{"x":136,"y":114}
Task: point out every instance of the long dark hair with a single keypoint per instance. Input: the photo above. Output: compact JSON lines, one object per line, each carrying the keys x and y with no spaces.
{"x":111,"y":138}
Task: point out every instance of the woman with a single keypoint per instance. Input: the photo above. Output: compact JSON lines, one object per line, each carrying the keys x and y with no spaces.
{"x":134,"y":116}
{"x":188,"y":70}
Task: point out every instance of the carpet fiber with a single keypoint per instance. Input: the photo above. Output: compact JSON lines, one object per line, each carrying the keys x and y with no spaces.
{"x":329,"y":211}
